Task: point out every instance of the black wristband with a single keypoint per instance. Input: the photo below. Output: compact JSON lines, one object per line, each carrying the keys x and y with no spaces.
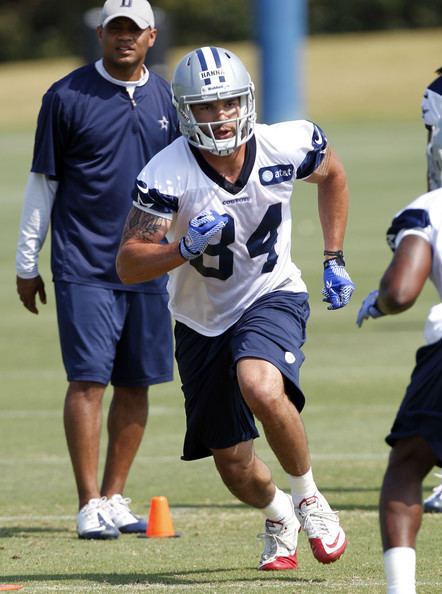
{"x":337,"y":254}
{"x":338,"y":258}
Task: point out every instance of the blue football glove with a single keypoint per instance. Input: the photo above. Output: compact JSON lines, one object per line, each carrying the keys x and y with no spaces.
{"x":338,"y":286}
{"x":369,"y":308}
{"x":201,"y":230}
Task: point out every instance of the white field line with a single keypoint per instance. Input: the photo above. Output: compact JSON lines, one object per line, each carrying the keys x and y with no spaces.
{"x":62,"y":460}
{"x":158,"y":409}
{"x":335,"y":586}
{"x":325,"y":371}
{"x":239,"y":587}
{"x":58,"y":412}
{"x":33,"y":518}
{"x":177,"y":511}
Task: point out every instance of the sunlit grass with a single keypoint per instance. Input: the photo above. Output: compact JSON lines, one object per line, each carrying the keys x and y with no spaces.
{"x":353,"y":378}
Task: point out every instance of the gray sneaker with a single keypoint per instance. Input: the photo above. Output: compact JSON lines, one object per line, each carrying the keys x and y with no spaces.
{"x":433,"y":503}
{"x":94,"y":521}
{"x":123,"y":517}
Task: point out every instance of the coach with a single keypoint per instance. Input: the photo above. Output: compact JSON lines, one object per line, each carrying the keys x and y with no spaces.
{"x":96,"y":128}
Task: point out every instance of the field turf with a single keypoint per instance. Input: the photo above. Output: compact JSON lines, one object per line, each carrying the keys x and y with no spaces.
{"x":365,"y":92}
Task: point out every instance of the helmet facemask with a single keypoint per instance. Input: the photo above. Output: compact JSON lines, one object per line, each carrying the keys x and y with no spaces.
{"x":231,"y":80}
{"x":201,"y":134}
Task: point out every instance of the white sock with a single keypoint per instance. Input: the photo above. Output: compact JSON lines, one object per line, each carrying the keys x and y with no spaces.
{"x":279,"y":508}
{"x":400,"y":570}
{"x":302,"y":487}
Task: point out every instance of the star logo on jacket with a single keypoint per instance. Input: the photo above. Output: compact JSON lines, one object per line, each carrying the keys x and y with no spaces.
{"x":164,"y":123}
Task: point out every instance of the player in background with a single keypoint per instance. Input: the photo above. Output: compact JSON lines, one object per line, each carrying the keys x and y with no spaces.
{"x":239,"y":301}
{"x":432,"y":116}
{"x":96,"y":128}
{"x":415,"y":237}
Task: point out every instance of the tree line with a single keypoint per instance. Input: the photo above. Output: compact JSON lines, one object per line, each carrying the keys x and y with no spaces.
{"x":34,"y":29}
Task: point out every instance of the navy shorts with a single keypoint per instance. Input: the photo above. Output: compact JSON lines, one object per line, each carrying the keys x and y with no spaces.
{"x":420,"y":412}
{"x":106,"y":335}
{"x":273,"y":329}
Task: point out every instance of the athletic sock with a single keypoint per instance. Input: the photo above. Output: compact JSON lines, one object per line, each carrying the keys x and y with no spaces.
{"x":400,"y":570}
{"x":302,"y":487}
{"x":279,"y":508}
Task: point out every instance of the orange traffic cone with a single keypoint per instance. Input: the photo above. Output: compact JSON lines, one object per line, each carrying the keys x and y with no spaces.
{"x":160,"y":520}
{"x":4,"y":587}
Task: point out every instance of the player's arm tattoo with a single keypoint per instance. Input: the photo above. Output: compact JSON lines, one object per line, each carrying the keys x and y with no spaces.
{"x":144,"y":226}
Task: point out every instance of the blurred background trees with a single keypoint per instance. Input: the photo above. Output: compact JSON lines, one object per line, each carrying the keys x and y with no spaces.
{"x":34,"y":29}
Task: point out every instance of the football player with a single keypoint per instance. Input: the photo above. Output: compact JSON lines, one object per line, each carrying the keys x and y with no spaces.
{"x":223,"y":194}
{"x":415,"y":237}
{"x":432,"y":116}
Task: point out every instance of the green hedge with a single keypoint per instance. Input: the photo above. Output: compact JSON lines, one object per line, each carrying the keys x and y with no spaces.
{"x":35,"y":29}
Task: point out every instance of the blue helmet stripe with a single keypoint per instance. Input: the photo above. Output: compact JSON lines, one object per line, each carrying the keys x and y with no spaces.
{"x":216,"y":56}
{"x":202,"y":59}
{"x":217,"y":59}
{"x":203,"y":63}
{"x":205,"y":67}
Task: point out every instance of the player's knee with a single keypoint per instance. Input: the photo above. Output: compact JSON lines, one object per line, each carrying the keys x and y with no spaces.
{"x":234,"y":463}
{"x":263,"y":401}
{"x":85,"y":390}
{"x":411,"y":457}
{"x":233,"y":474}
{"x":262,"y":388}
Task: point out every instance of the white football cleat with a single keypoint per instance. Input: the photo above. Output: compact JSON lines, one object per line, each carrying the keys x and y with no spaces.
{"x":280,"y":542}
{"x":94,"y":521}
{"x":123,"y":517}
{"x":433,"y":503}
{"x":321,"y":524}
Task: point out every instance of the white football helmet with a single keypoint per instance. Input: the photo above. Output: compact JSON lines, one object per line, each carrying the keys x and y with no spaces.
{"x":210,"y":74}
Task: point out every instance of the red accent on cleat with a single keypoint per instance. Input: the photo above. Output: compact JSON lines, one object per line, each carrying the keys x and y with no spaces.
{"x":321,"y":524}
{"x":280,"y":543}
{"x":281,"y":563}
{"x":320,"y":551}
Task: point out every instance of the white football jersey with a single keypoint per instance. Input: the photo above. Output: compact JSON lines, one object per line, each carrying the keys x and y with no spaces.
{"x":252,"y":257}
{"x":423,"y":217}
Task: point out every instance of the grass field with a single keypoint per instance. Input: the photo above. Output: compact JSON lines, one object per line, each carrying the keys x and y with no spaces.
{"x":365,"y":92}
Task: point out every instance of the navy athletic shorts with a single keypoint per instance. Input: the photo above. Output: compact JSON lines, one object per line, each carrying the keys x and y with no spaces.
{"x":108,"y":335}
{"x":420,"y":412}
{"x":273,"y":329}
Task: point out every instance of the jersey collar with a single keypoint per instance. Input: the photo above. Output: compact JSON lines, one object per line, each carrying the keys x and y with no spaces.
{"x":221,"y":181}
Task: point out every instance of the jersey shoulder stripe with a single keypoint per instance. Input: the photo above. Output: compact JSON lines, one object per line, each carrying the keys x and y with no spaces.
{"x":315,"y":156}
{"x":436,"y":85}
{"x":410,"y":218}
{"x":151,"y":200}
{"x":300,"y":142}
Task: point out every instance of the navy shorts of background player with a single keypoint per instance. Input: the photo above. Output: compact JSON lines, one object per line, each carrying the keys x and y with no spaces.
{"x":95,"y":329}
{"x":420,"y":412}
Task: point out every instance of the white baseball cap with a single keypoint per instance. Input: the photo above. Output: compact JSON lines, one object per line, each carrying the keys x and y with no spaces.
{"x":139,"y":11}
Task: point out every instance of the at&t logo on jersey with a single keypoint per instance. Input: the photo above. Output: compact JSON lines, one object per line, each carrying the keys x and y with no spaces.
{"x":275,"y":174}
